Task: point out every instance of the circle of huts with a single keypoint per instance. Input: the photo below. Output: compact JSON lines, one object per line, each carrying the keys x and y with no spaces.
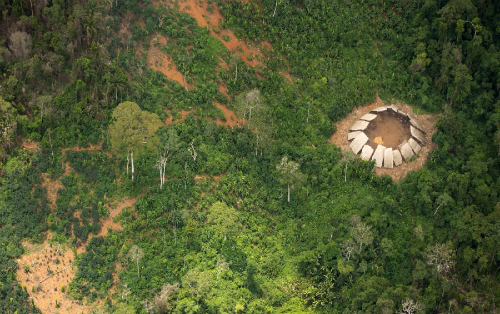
{"x":383,"y":156}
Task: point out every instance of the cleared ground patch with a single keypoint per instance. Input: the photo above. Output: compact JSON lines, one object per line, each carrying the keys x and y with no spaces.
{"x":340,"y":138}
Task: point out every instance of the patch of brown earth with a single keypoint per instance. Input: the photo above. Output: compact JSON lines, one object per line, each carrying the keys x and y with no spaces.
{"x":231,"y":119}
{"x":52,"y":187}
{"x":339,"y":138}
{"x":44,"y":270}
{"x":184,"y":114}
{"x":159,"y":61}
{"x":115,"y":209}
{"x":212,"y":19}
{"x":206,"y":176}
{"x":388,"y":130}
{"x":222,"y":88}
{"x":29,"y":145}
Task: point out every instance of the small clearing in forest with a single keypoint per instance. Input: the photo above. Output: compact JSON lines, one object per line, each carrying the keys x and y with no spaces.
{"x":427,"y":121}
{"x":53,"y":263}
{"x":159,"y":61}
{"x":231,"y":120}
{"x":212,"y":19}
{"x":48,"y":267}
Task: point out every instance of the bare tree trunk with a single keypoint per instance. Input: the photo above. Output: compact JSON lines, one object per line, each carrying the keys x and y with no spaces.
{"x":50,"y":141}
{"x":137,"y":268}
{"x":132,"y":159}
{"x":275,"y":6}
{"x":257,"y":146}
{"x":160,"y":169}
{"x":345,"y":172}
{"x":236,"y":74}
{"x":163,"y":174}
{"x":185,"y":177}
{"x":288,"y":193}
{"x":128,"y":161}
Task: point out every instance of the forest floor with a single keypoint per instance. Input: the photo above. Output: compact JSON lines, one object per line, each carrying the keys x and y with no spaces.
{"x":427,"y":121}
{"x":46,"y":268}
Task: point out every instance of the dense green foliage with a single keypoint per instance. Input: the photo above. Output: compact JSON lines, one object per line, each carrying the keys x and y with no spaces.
{"x":221,"y":235}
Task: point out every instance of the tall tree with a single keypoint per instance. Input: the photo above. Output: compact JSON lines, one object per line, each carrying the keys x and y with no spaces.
{"x":166,"y":142}
{"x":135,"y":254}
{"x":289,"y":174}
{"x":131,"y":127}
{"x":223,"y":218}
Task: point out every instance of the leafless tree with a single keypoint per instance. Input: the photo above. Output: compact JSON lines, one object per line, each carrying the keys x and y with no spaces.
{"x":222,"y":265}
{"x":348,"y":249}
{"x":20,"y":44}
{"x":410,"y":307}
{"x":361,"y":232}
{"x":162,"y":298}
{"x":440,"y":258}
{"x":135,"y":254}
{"x":126,"y":291}
{"x":192,"y":151}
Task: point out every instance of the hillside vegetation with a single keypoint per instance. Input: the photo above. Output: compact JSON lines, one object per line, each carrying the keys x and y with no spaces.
{"x":173,"y":157}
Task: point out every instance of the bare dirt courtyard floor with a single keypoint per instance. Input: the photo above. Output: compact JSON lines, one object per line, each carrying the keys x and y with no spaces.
{"x":388,"y":131}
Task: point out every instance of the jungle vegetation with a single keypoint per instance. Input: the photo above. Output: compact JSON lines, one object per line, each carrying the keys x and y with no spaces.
{"x":258,"y":218}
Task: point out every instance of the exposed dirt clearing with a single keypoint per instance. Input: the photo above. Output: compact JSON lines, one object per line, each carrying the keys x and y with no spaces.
{"x":115,"y":209}
{"x":29,"y":145}
{"x":159,"y":61}
{"x":386,"y":129}
{"x":46,"y":259}
{"x":43,"y":260}
{"x":231,"y":119}
{"x":212,"y":19}
{"x":222,"y":88}
{"x":184,"y":114}
{"x":206,"y":176}
{"x":52,"y":187}
{"x":339,"y":138}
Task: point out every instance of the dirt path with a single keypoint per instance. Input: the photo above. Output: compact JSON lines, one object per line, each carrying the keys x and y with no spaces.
{"x":339,"y":138}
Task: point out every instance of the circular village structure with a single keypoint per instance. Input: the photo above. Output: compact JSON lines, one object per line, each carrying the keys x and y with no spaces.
{"x":386,"y":135}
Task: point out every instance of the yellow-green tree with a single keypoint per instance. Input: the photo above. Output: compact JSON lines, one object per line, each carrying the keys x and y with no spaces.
{"x":289,"y":174}
{"x":131,"y":128}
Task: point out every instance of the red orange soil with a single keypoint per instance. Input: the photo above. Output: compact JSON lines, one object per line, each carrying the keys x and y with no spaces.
{"x":159,"y":61}
{"x":231,"y":119}
{"x":29,"y":145}
{"x":46,"y":259}
{"x":42,"y":261}
{"x":206,"y":176}
{"x":339,"y":138}
{"x":184,"y":114}
{"x":115,"y":209}
{"x":222,"y":88}
{"x":212,"y":20}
